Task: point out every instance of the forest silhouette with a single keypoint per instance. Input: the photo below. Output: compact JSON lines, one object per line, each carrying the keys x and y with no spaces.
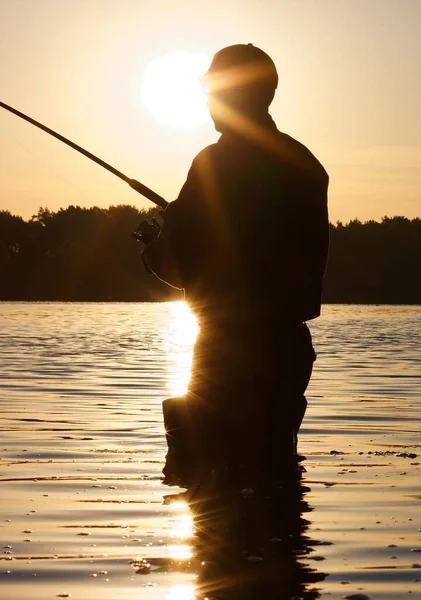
{"x":88,"y":254}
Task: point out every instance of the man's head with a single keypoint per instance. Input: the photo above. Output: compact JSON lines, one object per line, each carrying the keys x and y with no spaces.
{"x":241,"y":79}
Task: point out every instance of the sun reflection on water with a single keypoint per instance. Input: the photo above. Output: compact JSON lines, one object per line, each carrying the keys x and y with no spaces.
{"x":180,"y":552}
{"x":179,"y":347}
{"x":183,"y":527}
{"x":181,"y":592}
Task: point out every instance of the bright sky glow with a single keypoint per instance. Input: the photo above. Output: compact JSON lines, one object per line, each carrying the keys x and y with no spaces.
{"x":171,"y":89}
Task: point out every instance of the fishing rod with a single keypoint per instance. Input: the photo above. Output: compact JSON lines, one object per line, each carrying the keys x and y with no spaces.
{"x":133,"y":183}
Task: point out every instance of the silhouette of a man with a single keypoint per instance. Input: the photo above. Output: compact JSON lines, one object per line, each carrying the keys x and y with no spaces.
{"x":247,"y":239}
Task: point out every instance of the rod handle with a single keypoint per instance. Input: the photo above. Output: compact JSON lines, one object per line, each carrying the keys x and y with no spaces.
{"x":148,"y":193}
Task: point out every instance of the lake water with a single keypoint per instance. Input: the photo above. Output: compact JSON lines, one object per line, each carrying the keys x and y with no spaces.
{"x":82,"y":448}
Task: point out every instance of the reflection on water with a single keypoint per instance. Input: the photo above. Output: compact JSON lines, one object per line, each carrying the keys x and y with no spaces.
{"x":250,"y":543}
{"x":182,"y":592}
{"x":179,"y":347}
{"x":82,"y":447}
{"x":179,"y":552}
{"x":183,"y":528}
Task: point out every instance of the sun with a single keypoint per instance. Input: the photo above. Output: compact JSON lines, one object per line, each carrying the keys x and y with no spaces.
{"x":171,"y":89}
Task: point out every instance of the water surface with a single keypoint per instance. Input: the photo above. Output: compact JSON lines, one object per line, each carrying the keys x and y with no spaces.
{"x":82,"y":448}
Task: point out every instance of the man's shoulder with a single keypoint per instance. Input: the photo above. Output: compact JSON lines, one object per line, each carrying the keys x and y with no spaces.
{"x":200,"y":165}
{"x":206,"y":154}
{"x":279,"y":145}
{"x":302,"y":153}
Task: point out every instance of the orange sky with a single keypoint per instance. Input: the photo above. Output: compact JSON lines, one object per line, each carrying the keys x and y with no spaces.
{"x":350,"y":89}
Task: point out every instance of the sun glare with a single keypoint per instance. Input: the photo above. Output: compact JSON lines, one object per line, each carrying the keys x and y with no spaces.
{"x":171,"y":89}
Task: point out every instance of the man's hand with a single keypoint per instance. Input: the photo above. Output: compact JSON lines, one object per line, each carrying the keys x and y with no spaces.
{"x":159,"y":259}
{"x":147,"y":231}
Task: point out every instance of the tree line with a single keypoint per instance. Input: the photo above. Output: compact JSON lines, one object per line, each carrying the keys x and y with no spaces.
{"x":88,"y":254}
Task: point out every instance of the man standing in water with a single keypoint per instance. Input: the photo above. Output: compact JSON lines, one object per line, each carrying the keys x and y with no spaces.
{"x":247,"y":240}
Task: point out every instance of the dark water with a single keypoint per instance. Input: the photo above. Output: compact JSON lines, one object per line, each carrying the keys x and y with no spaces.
{"x":82,"y":447}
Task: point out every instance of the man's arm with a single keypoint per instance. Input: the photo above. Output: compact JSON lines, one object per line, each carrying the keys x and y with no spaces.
{"x":176,"y":255}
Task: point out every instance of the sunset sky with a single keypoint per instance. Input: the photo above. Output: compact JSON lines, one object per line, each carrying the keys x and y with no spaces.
{"x":350,"y":89}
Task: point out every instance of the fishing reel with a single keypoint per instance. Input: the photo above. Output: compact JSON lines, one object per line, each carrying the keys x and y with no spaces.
{"x":147,"y":231}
